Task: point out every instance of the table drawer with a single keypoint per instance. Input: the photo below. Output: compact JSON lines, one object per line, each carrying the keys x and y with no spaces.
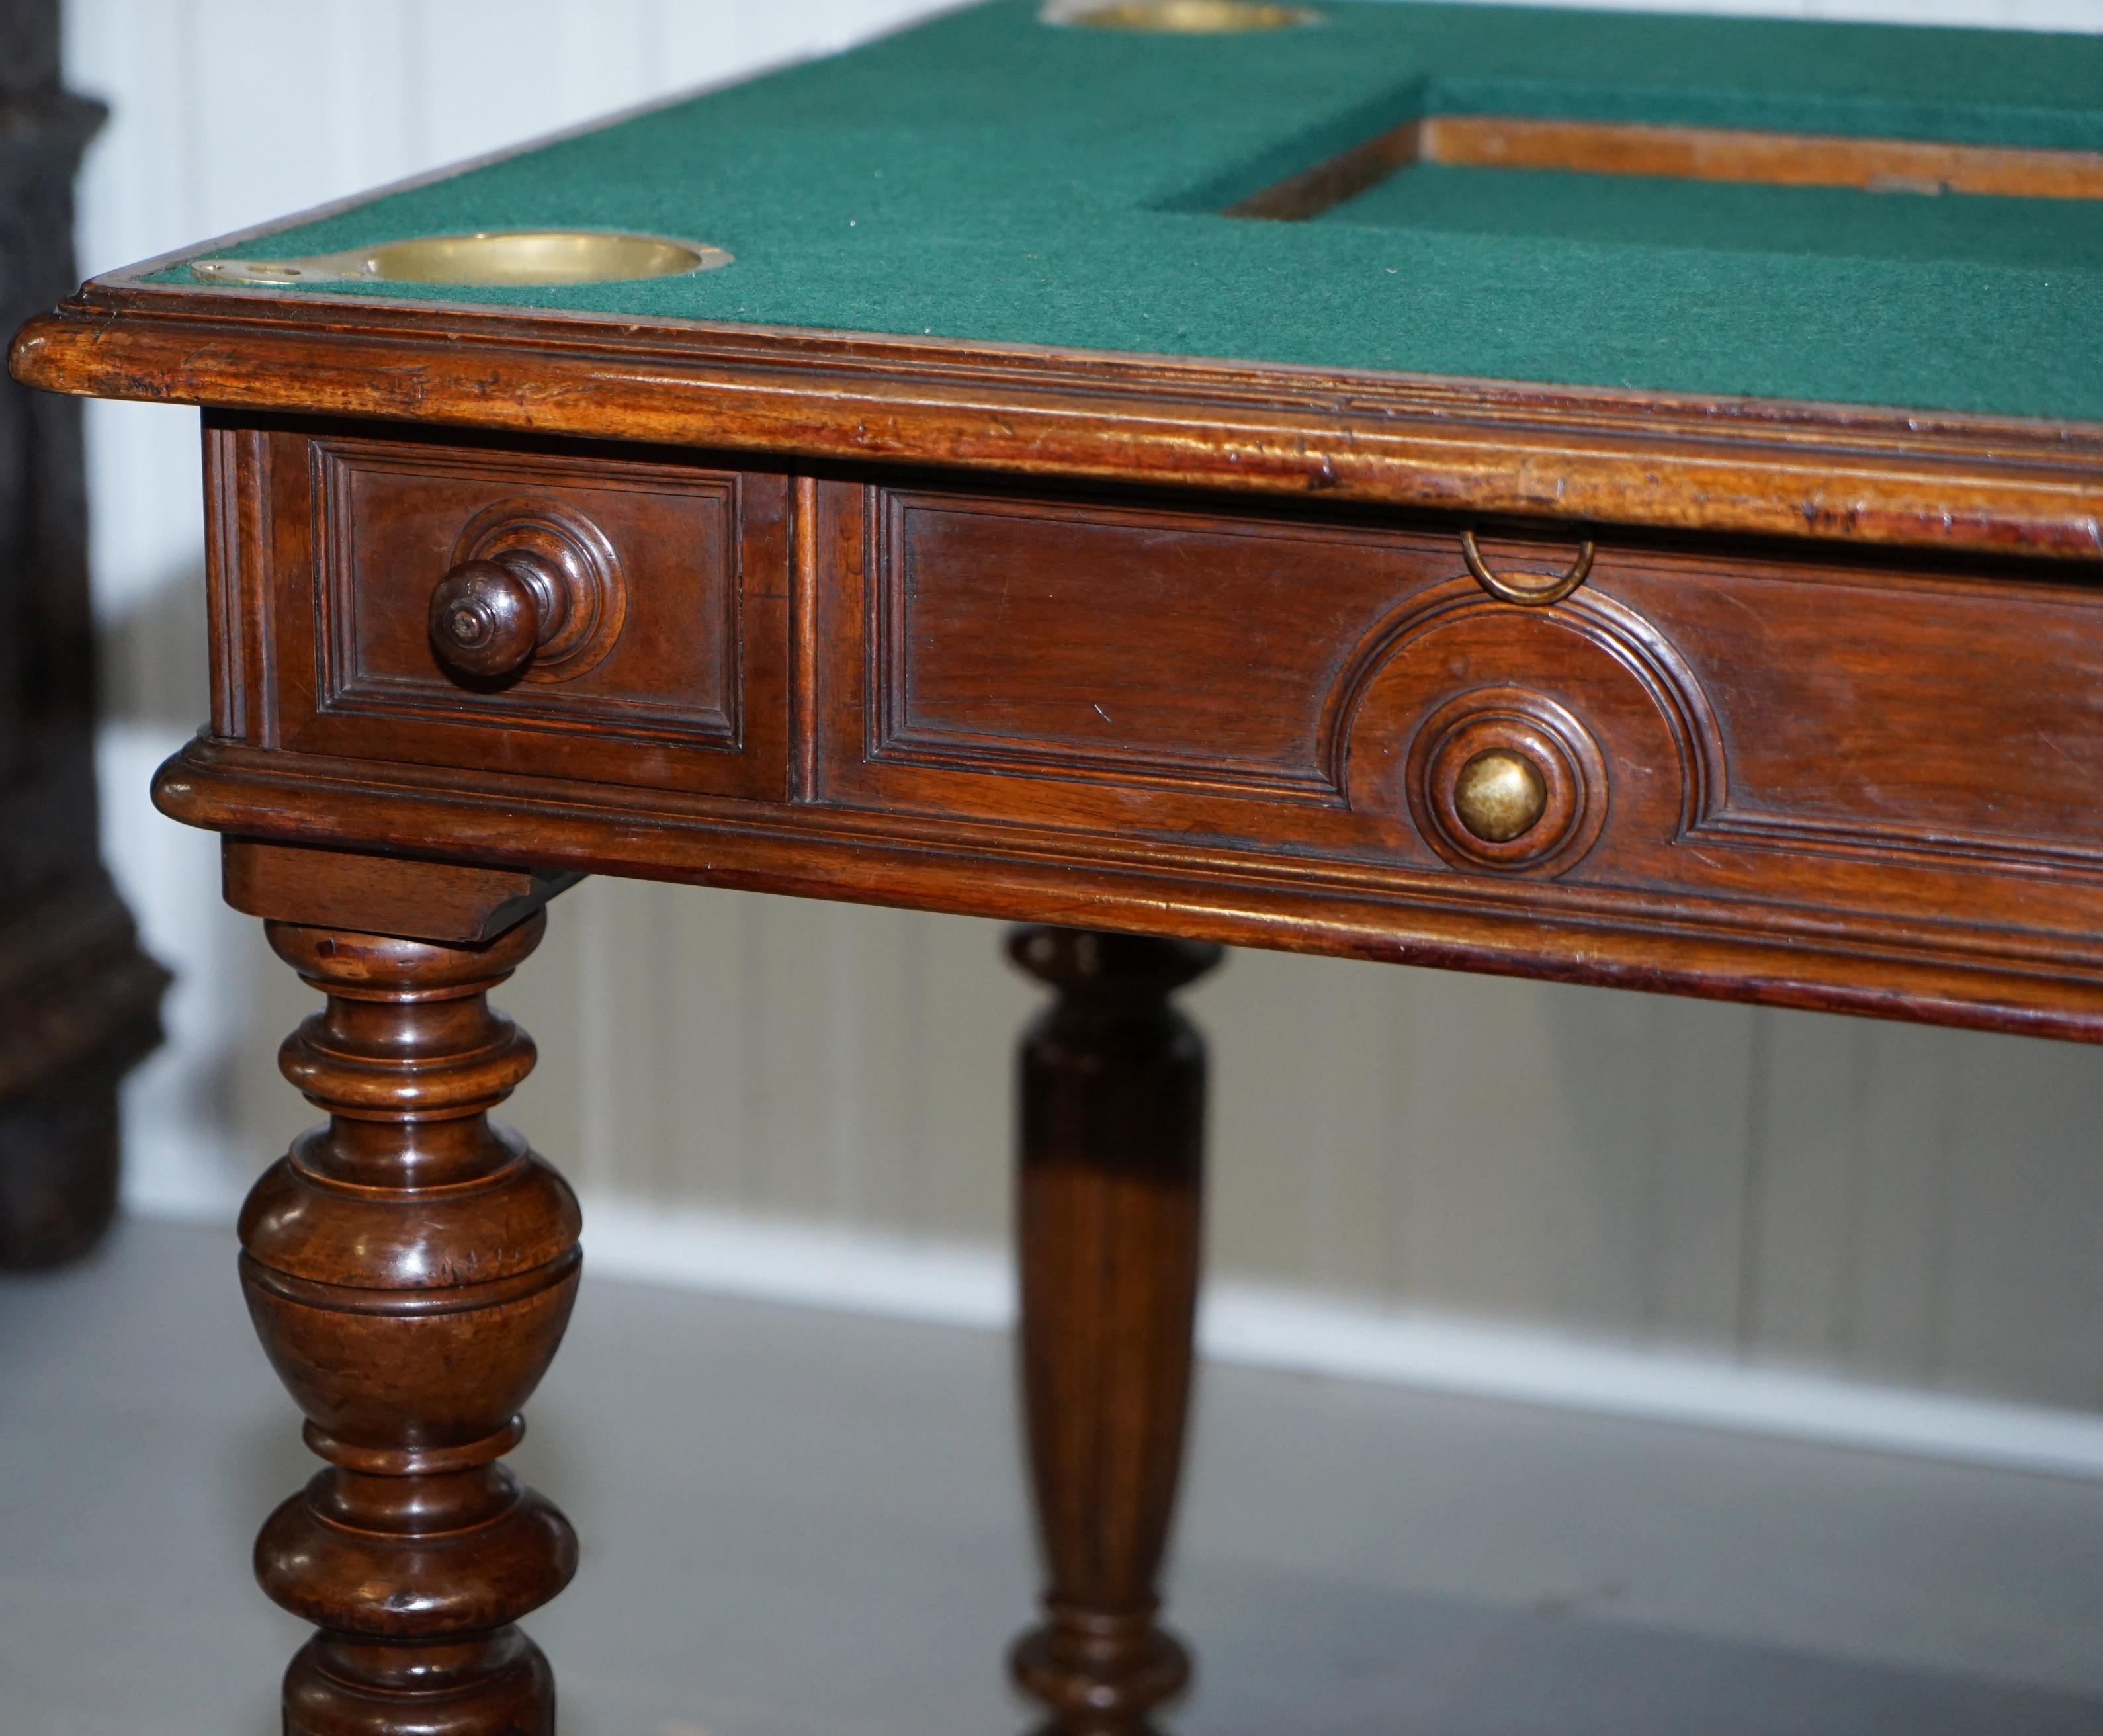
{"x":659,"y":587}
{"x":1730,"y":718}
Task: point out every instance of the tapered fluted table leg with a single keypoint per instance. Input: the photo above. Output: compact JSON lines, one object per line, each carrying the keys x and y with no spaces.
{"x":1112,"y":1094}
{"x":410,"y":1268}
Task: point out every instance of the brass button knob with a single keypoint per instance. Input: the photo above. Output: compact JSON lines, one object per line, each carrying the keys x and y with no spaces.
{"x":1499,"y":795}
{"x":489,"y":617}
{"x":1504,"y":780}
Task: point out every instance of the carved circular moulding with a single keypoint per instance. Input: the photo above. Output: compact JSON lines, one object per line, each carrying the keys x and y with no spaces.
{"x":1506,"y":779}
{"x":565,"y":604}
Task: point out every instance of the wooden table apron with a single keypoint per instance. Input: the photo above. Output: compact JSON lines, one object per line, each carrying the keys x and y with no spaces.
{"x":1782,"y":703}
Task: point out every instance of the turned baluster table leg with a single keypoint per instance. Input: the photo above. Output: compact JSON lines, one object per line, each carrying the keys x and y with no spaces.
{"x":409,"y":1269}
{"x":1113,"y":1092}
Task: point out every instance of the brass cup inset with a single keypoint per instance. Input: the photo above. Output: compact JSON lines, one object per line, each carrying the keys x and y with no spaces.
{"x":489,"y":259}
{"x":531,"y":256}
{"x":1499,"y":796}
{"x":1186,"y":17}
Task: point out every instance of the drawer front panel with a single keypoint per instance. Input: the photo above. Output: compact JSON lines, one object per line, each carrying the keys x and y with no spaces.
{"x":1133,"y":644}
{"x":669,"y":666}
{"x":1919,"y":708}
{"x":1726,"y":722}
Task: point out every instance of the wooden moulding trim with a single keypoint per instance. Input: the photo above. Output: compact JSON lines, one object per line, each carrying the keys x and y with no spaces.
{"x":445,"y":901}
{"x":1920,"y":480}
{"x":1779,"y":159}
{"x":1712,"y":153}
{"x":2034,"y":983}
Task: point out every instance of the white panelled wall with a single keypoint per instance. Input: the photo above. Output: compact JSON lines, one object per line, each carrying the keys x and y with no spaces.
{"x":1778,"y":1219}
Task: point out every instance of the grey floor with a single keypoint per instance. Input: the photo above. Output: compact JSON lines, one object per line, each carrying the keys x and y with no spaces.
{"x":799,"y":1524}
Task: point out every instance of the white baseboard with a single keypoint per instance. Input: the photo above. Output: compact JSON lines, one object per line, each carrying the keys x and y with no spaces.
{"x":808,"y":1265}
{"x":1265,"y":1328}
{"x":1258,"y":1326}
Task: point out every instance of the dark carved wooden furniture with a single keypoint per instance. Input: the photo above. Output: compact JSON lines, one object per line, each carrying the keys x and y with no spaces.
{"x":517,"y":577}
{"x":79,"y":1002}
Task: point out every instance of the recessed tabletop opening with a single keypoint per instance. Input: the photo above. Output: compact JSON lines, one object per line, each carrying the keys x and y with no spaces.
{"x":1685,"y":154}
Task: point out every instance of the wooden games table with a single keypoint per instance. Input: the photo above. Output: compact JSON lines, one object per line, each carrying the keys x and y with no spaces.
{"x":1617,"y":499}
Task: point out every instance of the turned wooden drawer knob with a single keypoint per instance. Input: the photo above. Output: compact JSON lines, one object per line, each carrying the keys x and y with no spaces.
{"x":489,"y":617}
{"x":1500,"y":795}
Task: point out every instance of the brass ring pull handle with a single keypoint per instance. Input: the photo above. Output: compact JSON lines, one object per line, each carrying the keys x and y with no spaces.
{"x":489,"y":617}
{"x":1531,"y":593}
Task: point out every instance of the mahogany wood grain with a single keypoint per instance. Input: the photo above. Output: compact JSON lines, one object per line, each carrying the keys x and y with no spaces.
{"x":1909,"y":478}
{"x":1774,"y":159}
{"x":1112,"y":1135}
{"x":453,"y":901}
{"x":670,"y":671}
{"x":1713,"y":154}
{"x":1118,"y":666}
{"x":487,"y":618}
{"x":1814,"y":784}
{"x":409,"y":1269}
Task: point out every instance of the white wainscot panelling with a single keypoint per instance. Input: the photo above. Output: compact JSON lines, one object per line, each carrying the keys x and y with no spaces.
{"x":1632,"y":1197}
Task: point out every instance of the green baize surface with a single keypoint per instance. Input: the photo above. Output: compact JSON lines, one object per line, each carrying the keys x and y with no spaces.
{"x":990,"y":177}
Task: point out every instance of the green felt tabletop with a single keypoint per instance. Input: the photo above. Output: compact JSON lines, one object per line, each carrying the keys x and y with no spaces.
{"x":991,"y":177}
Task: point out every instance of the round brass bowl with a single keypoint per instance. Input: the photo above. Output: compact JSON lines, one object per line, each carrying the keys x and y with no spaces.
{"x":1190,"y":17}
{"x":491,"y":259}
{"x":523,"y":256}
